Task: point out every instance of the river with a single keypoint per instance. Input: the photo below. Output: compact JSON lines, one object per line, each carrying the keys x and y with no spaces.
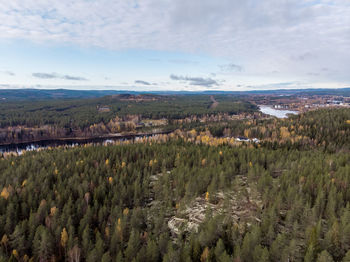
{"x":32,"y":146}
{"x":277,"y":112}
{"x":50,"y":143}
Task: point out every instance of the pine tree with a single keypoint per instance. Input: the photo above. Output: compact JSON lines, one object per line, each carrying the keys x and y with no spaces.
{"x":18,"y":239}
{"x":152,"y":251}
{"x":43,"y":244}
{"x":133,"y":245}
{"x":86,"y":240}
{"x":347,"y":257}
{"x":324,"y":256}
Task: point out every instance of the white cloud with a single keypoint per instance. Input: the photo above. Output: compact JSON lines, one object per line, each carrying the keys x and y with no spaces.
{"x":58,"y":76}
{"x":292,"y":37}
{"x":142,"y":82}
{"x":9,"y":73}
{"x":195,"y":81}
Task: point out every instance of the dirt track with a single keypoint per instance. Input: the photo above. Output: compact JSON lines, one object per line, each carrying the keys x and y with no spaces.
{"x":215,"y":103}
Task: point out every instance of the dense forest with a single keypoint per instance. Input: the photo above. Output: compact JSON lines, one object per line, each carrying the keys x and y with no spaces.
{"x":124,"y":113}
{"x":326,"y":129}
{"x":81,"y":113}
{"x":181,"y":200}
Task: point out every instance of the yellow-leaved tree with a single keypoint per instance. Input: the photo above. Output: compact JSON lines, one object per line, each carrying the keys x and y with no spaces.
{"x":5,"y":193}
{"x":126,"y":211}
{"x":64,"y":238}
{"x":53,"y":211}
{"x":4,"y":241}
{"x":15,"y":253}
{"x":205,"y":254}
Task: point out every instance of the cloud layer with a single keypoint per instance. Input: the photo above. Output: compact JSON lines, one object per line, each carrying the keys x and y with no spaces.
{"x":275,"y":38}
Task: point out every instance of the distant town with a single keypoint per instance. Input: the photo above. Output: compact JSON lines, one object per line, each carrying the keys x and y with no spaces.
{"x":302,"y":103}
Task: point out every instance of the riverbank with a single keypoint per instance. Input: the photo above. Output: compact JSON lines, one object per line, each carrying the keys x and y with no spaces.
{"x":28,"y":145}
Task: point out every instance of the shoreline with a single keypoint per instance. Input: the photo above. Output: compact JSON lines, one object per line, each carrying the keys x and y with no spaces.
{"x":83,"y":139}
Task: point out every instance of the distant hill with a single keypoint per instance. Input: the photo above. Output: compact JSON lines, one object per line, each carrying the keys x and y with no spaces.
{"x":43,"y":94}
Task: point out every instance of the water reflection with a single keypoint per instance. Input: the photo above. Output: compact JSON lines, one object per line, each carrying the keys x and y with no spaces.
{"x":277,"y":113}
{"x":45,"y":144}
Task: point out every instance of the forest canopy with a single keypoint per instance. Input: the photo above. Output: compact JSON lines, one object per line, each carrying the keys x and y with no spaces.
{"x":194,"y":194}
{"x":131,"y":202}
{"x":81,"y":113}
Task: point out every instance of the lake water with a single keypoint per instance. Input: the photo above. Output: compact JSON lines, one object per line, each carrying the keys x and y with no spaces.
{"x":277,"y":113}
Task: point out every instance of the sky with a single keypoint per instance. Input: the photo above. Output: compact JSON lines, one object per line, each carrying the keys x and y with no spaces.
{"x":174,"y":45}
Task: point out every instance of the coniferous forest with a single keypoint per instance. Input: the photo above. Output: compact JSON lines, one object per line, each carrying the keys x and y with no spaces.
{"x":31,"y":120}
{"x":191,"y":195}
{"x":175,"y":131}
